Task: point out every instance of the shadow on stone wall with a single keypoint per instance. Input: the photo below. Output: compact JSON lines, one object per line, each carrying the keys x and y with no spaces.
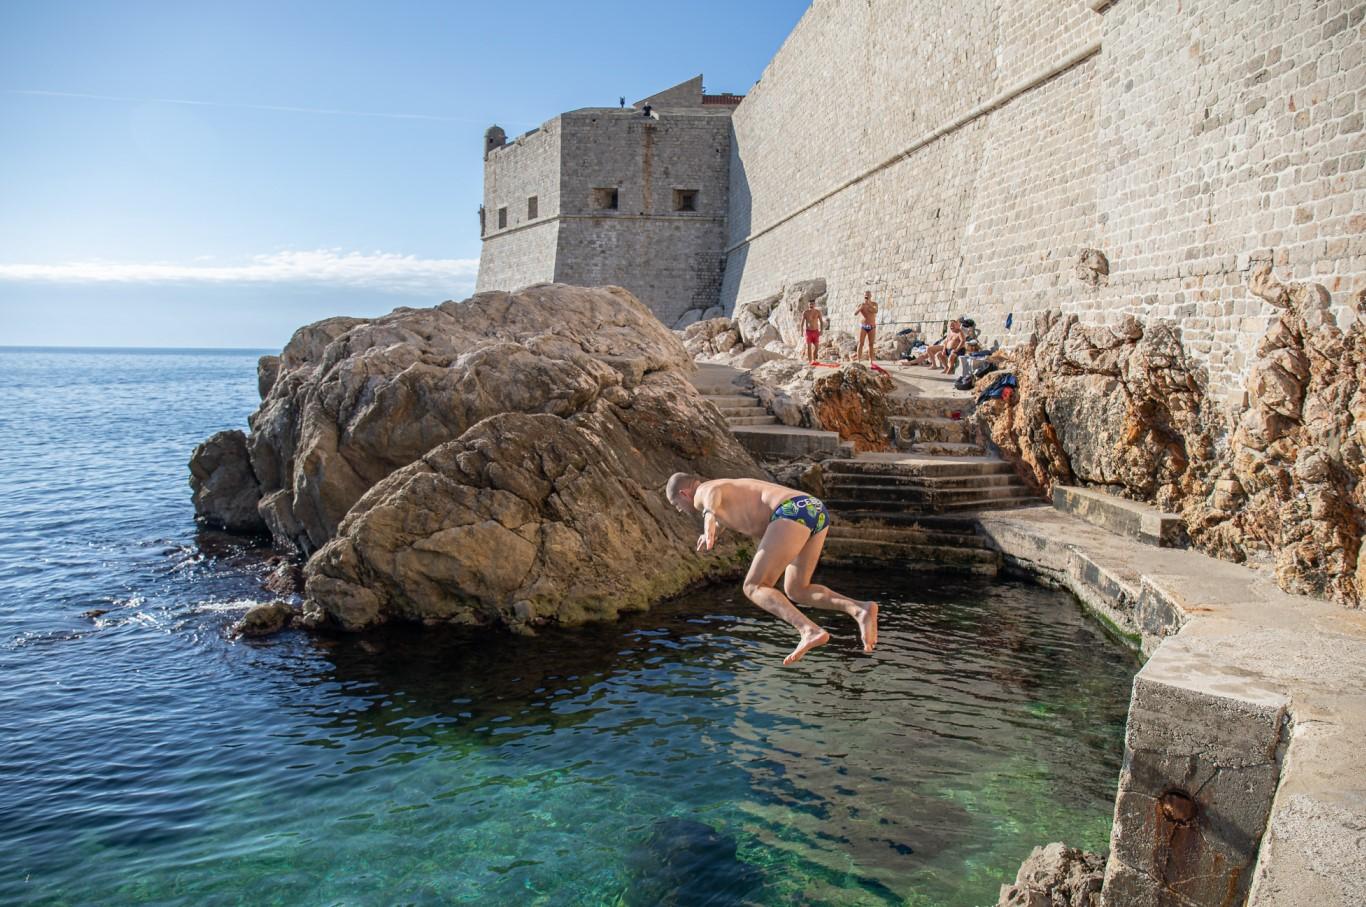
{"x":1125,"y":408}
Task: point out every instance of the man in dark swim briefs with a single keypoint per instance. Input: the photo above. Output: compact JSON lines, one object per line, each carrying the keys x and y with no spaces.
{"x":867,"y":313}
{"x":791,"y":528}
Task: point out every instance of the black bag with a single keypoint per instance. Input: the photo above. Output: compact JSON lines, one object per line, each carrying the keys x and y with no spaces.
{"x":964,"y":383}
{"x":986,"y":368}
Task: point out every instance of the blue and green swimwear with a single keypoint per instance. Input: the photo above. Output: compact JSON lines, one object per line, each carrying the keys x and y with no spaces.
{"x":804,"y":509}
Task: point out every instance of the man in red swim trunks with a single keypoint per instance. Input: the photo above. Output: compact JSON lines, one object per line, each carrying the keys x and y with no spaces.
{"x":791,"y":528}
{"x":812,"y":322}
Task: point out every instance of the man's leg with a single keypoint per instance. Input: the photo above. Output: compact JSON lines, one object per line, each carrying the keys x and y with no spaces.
{"x":781,"y":543}
{"x":872,"y":338}
{"x":798,"y":586}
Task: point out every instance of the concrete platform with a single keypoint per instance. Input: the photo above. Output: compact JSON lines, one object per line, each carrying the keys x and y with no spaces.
{"x":1242,"y":779}
{"x":769,"y":441}
{"x":1121,"y":516}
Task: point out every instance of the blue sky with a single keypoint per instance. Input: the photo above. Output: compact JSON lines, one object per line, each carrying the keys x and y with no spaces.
{"x":329,"y":163}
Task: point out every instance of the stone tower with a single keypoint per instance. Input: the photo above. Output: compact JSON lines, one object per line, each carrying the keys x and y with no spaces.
{"x":634,"y":196}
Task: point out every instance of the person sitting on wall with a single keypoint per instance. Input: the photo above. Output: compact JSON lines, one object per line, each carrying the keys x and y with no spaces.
{"x":813,"y":320}
{"x":867,"y":313}
{"x":791,"y":527}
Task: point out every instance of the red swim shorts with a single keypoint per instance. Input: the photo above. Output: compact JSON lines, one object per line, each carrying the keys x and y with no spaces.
{"x":813,"y":336}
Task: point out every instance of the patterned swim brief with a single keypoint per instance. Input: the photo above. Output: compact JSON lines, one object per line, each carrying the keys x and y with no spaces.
{"x":804,"y":509}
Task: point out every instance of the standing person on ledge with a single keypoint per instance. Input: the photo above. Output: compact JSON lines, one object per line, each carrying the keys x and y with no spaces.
{"x":867,"y":329}
{"x":791,"y":527}
{"x":812,"y":322}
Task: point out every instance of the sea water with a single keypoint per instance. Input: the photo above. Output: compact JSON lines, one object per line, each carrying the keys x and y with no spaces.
{"x":667,"y":758}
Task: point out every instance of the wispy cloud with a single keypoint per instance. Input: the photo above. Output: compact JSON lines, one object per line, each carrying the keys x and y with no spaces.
{"x":378,"y":270}
{"x":275,"y":107}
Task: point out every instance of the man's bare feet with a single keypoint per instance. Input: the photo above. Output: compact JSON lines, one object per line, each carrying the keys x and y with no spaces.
{"x":808,"y":642}
{"x":867,"y":625}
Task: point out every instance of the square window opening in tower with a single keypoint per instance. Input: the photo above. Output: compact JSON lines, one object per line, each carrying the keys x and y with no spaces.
{"x":685,"y":199}
{"x":605,"y":199}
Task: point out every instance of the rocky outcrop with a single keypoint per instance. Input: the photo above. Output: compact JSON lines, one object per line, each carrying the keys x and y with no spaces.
{"x":1125,"y":408}
{"x":851,"y":400}
{"x":762,"y":330}
{"x":534,"y":517}
{"x":1056,"y":876}
{"x":357,"y":399}
{"x":500,"y":459}
{"x":225,"y":490}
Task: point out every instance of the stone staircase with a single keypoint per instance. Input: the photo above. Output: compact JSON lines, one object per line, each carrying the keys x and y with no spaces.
{"x":937,"y":426}
{"x":922,"y":484}
{"x":940,"y":543}
{"x":754,"y":426}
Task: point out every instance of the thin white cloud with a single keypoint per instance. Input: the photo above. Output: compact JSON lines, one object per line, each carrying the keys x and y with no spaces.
{"x":275,"y":107}
{"x":386,"y":271}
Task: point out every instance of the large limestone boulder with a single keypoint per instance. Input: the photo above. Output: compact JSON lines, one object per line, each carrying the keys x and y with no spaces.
{"x":498,"y":460}
{"x":356,"y":399}
{"x":751,"y":320}
{"x":223,"y":485}
{"x":534,"y":517}
{"x":786,"y":314}
{"x":711,"y":339}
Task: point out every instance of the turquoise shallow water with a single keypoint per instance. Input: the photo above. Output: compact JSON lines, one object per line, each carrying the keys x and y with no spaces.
{"x":666,"y":759}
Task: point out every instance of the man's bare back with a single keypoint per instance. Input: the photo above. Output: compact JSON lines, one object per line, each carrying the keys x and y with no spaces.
{"x":791,"y":527}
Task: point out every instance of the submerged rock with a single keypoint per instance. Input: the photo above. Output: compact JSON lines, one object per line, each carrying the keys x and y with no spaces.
{"x":225,"y":490}
{"x":684,"y":862}
{"x":1056,"y":876}
{"x":264,"y":619}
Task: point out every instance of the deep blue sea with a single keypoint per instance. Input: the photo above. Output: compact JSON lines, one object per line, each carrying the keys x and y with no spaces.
{"x":146,"y":758}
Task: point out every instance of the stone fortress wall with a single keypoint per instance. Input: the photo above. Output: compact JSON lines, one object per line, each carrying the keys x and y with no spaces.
{"x":969,"y":151}
{"x":664,"y":237}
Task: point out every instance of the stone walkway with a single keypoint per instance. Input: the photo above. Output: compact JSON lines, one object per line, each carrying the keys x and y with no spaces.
{"x":1246,"y":726}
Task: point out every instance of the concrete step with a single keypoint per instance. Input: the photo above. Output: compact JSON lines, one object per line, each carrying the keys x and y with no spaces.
{"x":918,"y":429}
{"x":1121,"y":516}
{"x":917,"y":465}
{"x":1024,"y":497}
{"x":721,"y":401}
{"x":752,"y":420}
{"x":913,"y":494}
{"x":931,"y":522}
{"x":936,"y":407}
{"x":907,"y":535}
{"x":755,"y":410}
{"x":765,"y":441}
{"x":857,"y":479}
{"x":911,"y":557}
{"x":944,"y":449}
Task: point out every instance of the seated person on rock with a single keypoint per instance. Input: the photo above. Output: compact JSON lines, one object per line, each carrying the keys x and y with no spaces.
{"x":935,"y":350}
{"x":791,"y":527}
{"x":968,"y":344}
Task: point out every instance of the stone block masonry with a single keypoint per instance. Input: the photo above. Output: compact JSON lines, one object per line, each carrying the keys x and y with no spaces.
{"x":970,"y":151}
{"x":622,"y":197}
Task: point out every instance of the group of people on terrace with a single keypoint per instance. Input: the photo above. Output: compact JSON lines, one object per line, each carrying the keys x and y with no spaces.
{"x":960,"y":338}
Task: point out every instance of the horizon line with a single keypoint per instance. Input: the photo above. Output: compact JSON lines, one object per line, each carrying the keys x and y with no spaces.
{"x":23,"y":347}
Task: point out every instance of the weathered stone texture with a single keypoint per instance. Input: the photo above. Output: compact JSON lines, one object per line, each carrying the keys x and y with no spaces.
{"x":1126,"y":408}
{"x":670,"y":259}
{"x":1185,"y":143}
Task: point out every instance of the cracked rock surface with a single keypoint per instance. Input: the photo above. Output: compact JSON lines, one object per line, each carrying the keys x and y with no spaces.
{"x":497,"y":460}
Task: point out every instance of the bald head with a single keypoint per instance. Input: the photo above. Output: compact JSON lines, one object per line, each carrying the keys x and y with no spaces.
{"x":680,"y":489}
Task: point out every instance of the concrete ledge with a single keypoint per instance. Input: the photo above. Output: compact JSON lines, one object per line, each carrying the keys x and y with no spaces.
{"x":1242,"y":779}
{"x":785,"y":441}
{"x":1119,"y":515}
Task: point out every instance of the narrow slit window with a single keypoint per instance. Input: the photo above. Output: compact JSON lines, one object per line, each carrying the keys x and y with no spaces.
{"x":502,"y":218}
{"x":532,"y":206}
{"x":605,"y":199}
{"x":685,"y":199}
